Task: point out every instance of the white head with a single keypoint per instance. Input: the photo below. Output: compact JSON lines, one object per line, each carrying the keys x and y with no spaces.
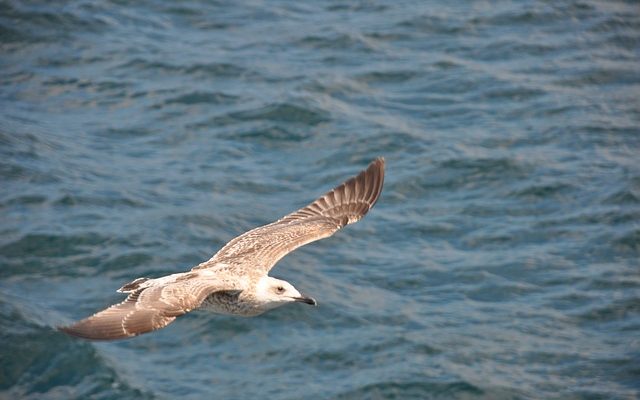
{"x":272,"y":293}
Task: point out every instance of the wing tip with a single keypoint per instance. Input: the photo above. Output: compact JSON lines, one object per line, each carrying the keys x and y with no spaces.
{"x":376,"y":167}
{"x":78,"y":331}
{"x":75,"y":331}
{"x":86,"y":329}
{"x":376,"y":171}
{"x":365,"y":187}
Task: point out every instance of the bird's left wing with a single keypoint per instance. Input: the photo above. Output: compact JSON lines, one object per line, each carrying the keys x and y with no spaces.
{"x":262,"y":247}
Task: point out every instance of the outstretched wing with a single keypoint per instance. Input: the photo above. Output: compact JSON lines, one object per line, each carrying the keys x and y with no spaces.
{"x":262,"y":247}
{"x":147,"y":309}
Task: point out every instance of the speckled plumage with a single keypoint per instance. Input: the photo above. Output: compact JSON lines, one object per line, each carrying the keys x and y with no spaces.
{"x":235,"y":280}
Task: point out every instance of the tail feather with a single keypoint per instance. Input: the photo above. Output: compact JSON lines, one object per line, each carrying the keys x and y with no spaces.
{"x":132,"y":286}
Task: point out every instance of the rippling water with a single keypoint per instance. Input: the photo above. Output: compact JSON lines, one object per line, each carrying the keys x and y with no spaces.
{"x":502,"y":260}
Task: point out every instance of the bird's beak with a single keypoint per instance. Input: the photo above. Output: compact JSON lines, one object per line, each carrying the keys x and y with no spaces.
{"x":306,"y":300}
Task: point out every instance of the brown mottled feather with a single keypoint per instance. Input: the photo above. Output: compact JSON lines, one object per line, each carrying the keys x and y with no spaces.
{"x":147,"y":309}
{"x":261,"y":248}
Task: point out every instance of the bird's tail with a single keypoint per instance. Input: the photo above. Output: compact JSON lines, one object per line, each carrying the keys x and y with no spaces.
{"x":132,"y":286}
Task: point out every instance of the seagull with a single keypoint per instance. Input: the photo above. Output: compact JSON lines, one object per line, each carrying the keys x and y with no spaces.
{"x":235,"y":280}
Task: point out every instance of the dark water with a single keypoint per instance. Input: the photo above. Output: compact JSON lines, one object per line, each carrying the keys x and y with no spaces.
{"x":501,"y":262}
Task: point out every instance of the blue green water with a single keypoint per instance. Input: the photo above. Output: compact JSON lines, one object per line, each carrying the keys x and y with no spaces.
{"x":501,"y":261}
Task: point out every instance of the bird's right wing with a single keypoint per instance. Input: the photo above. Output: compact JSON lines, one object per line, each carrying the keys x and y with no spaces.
{"x":148,"y":308}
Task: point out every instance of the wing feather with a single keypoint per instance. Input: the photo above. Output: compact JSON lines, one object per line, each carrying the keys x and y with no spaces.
{"x":347,"y":203}
{"x":147,"y":309}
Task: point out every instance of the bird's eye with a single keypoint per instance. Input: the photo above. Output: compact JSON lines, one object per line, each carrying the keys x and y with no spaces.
{"x":280,"y":289}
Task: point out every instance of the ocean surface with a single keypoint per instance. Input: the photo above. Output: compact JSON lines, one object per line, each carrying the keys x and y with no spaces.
{"x":502,"y":260}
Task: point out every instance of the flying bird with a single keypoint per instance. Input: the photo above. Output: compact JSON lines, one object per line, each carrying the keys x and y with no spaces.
{"x":235,"y":280}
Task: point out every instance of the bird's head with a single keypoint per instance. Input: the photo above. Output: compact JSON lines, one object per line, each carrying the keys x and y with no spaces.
{"x":276,"y":292}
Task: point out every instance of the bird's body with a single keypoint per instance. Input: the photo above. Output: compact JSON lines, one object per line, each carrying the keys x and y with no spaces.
{"x":235,"y":280}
